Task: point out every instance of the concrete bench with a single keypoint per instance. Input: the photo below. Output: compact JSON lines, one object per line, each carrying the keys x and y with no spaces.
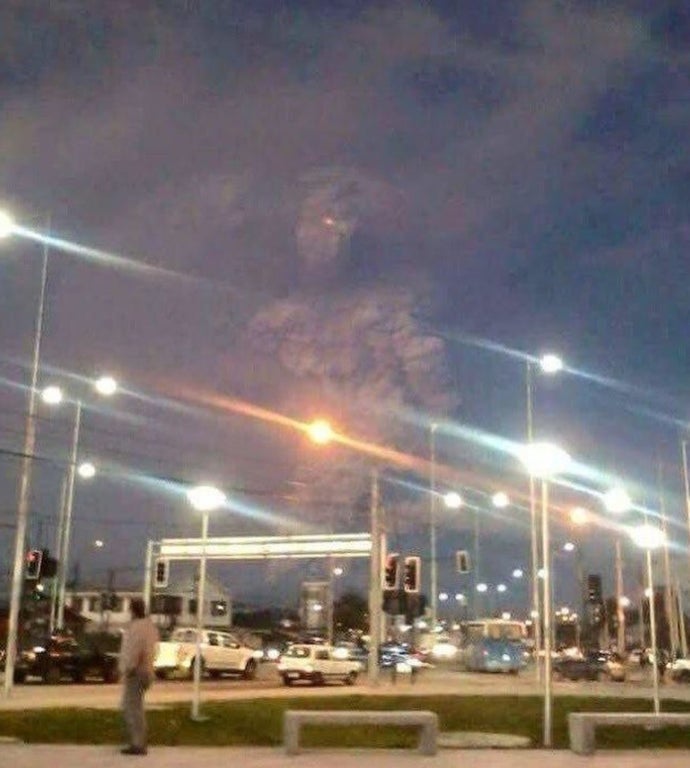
{"x":581,"y":725}
{"x":427,"y":722}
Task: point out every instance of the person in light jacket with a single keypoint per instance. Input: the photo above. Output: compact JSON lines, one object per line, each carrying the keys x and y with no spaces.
{"x":137,"y":654}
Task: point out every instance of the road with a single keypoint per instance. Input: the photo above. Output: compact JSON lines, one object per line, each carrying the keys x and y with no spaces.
{"x":267,"y":684}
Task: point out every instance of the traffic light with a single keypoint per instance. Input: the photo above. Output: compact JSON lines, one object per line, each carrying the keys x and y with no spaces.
{"x":462,"y":561}
{"x":160,"y":576}
{"x":49,"y":565}
{"x":413,"y":566}
{"x":594,"y":594}
{"x":391,"y":571}
{"x":33,"y":564}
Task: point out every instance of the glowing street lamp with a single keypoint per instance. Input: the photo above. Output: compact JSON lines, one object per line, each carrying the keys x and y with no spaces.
{"x":649,"y":537}
{"x":205,"y":499}
{"x":106,"y":385}
{"x":518,"y":573}
{"x":52,"y":395}
{"x":550,"y":363}
{"x":568,"y":546}
{"x":544,"y":460}
{"x":500,"y":500}
{"x":86,"y":470}
{"x":580,"y":516}
{"x":7,"y":225}
{"x":452,"y":500}
{"x":617,"y":500}
{"x":320,"y":432}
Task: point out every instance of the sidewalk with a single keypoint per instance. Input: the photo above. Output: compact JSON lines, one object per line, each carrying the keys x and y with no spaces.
{"x":65,"y":756}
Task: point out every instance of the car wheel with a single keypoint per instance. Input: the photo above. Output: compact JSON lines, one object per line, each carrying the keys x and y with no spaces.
{"x":351,"y":678}
{"x":317,"y":680}
{"x":78,"y":677}
{"x":192,"y":667}
{"x":162,"y":674}
{"x":557,"y":675}
{"x":286,"y":680}
{"x":52,"y":675}
{"x":250,"y":670}
{"x":110,"y":675}
{"x":19,"y":676}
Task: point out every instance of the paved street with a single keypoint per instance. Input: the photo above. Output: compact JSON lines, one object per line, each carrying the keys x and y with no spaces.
{"x":433,"y":681}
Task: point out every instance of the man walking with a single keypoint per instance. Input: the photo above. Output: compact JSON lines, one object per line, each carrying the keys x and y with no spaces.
{"x":136,"y":668}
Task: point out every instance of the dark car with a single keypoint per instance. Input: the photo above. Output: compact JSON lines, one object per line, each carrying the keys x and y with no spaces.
{"x":595,"y":665}
{"x":60,"y":657}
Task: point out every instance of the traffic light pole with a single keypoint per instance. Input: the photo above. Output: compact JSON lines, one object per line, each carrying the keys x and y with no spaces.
{"x":148,"y":576}
{"x":24,"y":488}
{"x":375,"y":590}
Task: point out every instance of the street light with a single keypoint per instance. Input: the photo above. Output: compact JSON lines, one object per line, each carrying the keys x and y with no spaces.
{"x":86,"y":470}
{"x":205,"y":499}
{"x":452,"y":500}
{"x":106,"y":385}
{"x":7,"y":228}
{"x":543,"y":461}
{"x":617,"y":501}
{"x":648,"y":537}
{"x":53,"y":395}
{"x":580,"y":516}
{"x":500,"y":500}
{"x":320,"y":432}
{"x":6,"y":225}
{"x":549,"y":364}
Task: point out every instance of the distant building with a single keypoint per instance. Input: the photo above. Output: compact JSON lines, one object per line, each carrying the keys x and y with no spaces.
{"x":173,"y":606}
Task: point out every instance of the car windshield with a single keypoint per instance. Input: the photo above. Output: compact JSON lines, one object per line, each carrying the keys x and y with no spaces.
{"x":298,"y":652}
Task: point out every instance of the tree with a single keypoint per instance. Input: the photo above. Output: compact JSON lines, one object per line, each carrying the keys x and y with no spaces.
{"x":351,"y":612}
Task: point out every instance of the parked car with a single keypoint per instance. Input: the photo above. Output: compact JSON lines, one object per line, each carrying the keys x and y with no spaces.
{"x":317,"y":664}
{"x":220,"y":653}
{"x":59,"y":657}
{"x":595,"y":665}
{"x":679,"y":670}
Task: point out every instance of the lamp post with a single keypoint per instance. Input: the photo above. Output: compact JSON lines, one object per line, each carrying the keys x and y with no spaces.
{"x":549,"y":364}
{"x":433,"y":588}
{"x":543,"y":461}
{"x":618,"y":502}
{"x":205,"y":499}
{"x":53,"y":395}
{"x":6,"y":230}
{"x":648,"y":537}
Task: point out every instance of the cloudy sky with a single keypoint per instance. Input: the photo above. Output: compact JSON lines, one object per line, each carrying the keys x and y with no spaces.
{"x":353,"y":209}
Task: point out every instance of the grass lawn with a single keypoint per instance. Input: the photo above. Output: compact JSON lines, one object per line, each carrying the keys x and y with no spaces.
{"x":258,"y":722}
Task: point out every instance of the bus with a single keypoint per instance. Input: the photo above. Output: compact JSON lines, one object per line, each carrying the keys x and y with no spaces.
{"x":494,"y":645}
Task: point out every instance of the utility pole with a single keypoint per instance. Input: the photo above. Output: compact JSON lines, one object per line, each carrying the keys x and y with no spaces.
{"x":24,"y":489}
{"x":375,"y":590}
{"x":620,"y":610}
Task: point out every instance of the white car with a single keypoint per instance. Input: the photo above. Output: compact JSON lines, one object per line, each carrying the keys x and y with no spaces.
{"x":220,"y":652}
{"x":317,"y":664}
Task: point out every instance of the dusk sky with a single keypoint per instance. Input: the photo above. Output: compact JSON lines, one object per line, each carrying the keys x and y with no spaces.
{"x":364,"y":211}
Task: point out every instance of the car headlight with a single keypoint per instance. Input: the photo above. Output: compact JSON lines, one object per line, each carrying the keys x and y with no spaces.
{"x":272,"y":654}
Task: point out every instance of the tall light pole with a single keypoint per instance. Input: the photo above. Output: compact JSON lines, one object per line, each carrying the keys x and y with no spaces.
{"x":617,"y":501}
{"x":543,"y":461}
{"x":205,"y":499}
{"x":433,"y":588}
{"x":549,"y":364}
{"x":7,"y":229}
{"x":648,"y":537}
{"x":53,"y":395}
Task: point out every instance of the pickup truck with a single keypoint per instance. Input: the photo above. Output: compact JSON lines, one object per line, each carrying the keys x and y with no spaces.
{"x":317,"y":664}
{"x":57,"y":657}
{"x":220,"y":652}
